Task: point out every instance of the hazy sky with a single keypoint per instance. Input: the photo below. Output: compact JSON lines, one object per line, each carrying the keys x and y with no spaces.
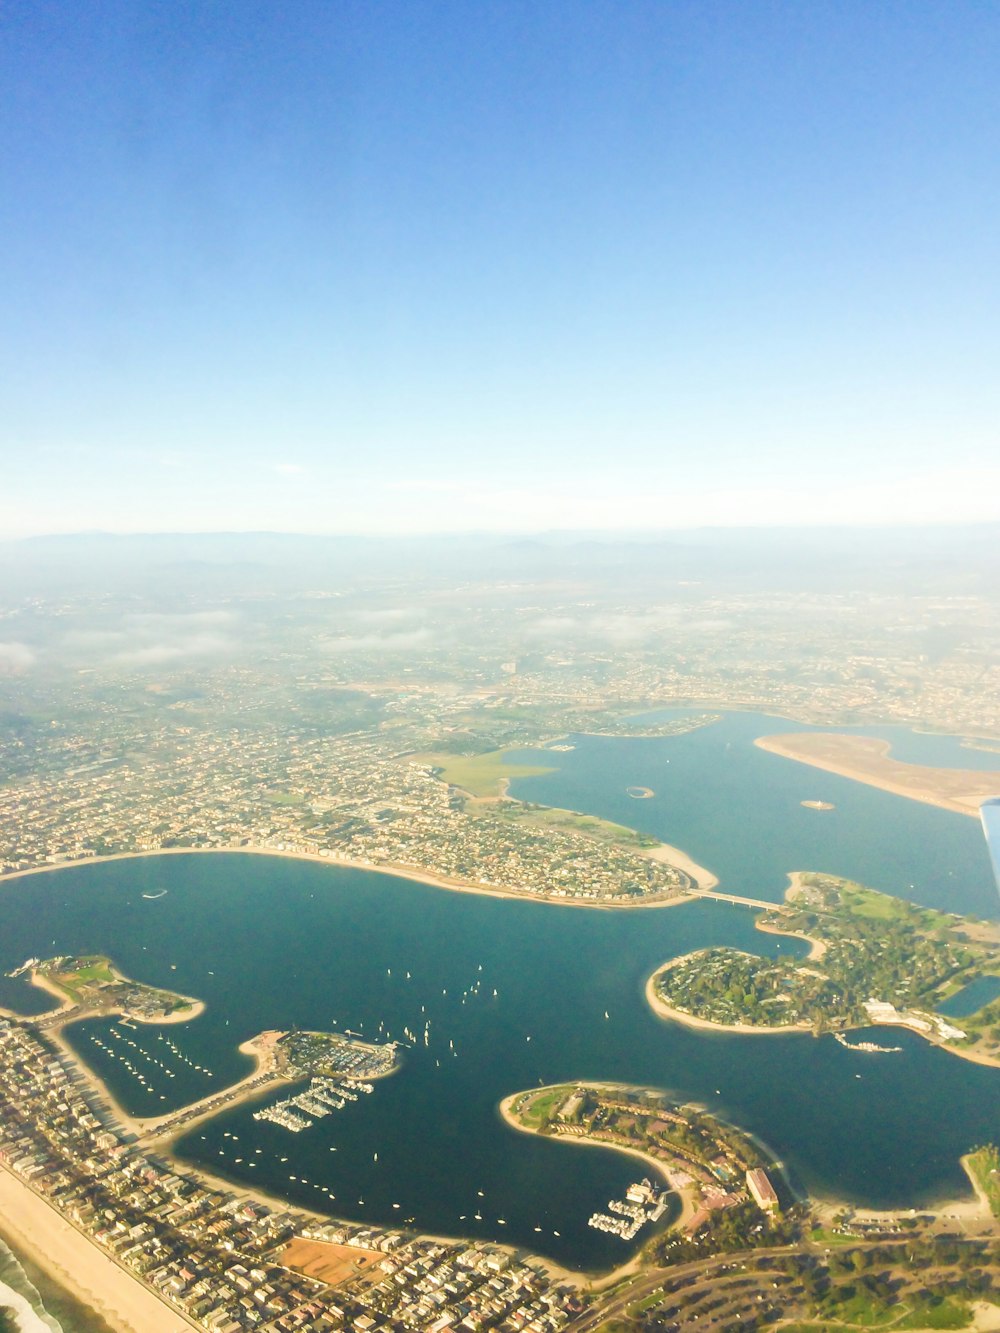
{"x":417,"y":266}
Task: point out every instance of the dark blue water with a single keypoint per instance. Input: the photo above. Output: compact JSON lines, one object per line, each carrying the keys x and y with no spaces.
{"x":971,"y":998}
{"x":272,"y":943}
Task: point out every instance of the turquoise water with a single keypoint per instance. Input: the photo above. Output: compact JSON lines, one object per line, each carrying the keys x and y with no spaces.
{"x":275,"y":943}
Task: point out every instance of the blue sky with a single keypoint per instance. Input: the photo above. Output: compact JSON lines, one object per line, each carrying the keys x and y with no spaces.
{"x":433,"y":266}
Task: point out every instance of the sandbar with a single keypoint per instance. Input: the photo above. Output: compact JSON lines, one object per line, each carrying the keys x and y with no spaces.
{"x":80,"y":1265}
{"x":867,"y":759}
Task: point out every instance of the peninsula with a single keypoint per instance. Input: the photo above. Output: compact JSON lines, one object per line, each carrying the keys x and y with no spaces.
{"x":867,"y":759}
{"x":90,"y":986}
{"x":712,"y":1167}
{"x":873,"y":960}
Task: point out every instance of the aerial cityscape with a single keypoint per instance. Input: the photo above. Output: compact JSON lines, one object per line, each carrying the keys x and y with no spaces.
{"x":442,"y":767}
{"x":499,"y":667}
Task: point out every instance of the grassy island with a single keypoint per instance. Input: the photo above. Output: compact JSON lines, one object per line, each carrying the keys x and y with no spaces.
{"x":874,"y":959}
{"x":91,"y":984}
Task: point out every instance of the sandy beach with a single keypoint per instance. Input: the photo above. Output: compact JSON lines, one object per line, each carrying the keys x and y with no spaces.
{"x":670,"y":855}
{"x":262,"y":1049}
{"x":867,"y":759}
{"x":78,"y":1264}
{"x":673,"y":856}
{"x":817,"y":948}
{"x":973,"y":1211}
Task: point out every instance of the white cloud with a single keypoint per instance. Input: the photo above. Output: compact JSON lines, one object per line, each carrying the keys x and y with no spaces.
{"x":154,"y":638}
{"x":15,"y":657}
{"x":382,"y":643}
{"x":154,"y":654}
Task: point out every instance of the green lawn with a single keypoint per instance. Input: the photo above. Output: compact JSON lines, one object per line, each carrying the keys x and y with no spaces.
{"x":864,"y":1311}
{"x":937,"y":1314}
{"x":591,"y":826}
{"x":543,"y":1105}
{"x":822,"y":1236}
{"x":285,"y":798}
{"x":96,"y":970}
{"x":875,"y":906}
{"x":480,"y":774}
{"x":93,"y":971}
{"x":984,"y":1164}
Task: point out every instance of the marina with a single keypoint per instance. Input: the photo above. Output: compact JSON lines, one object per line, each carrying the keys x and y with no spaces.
{"x":626,"y":1217}
{"x":870,"y":1047}
{"x":323,"y":1096}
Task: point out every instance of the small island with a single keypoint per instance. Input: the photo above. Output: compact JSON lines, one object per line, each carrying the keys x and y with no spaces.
{"x":90,"y":985}
{"x":640,"y":793}
{"x":818,"y":805}
{"x":874,"y":959}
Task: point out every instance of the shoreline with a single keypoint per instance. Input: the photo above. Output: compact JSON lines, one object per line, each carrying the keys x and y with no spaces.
{"x":67,"y":1006}
{"x":261,"y":1050}
{"x":688,"y":1209}
{"x":845,"y":769}
{"x":78,"y":1264}
{"x":664,"y":852}
{"x":817,"y":948}
{"x":974,"y":1209}
{"x":665,"y":1011}
{"x":670,"y":855}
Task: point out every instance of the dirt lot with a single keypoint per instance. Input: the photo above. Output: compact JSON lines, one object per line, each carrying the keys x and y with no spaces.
{"x":330,"y":1263}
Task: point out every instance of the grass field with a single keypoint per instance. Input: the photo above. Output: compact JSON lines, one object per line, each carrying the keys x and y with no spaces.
{"x":480,"y":774}
{"x":542,"y":1106}
{"x":591,"y":826}
{"x":865,"y":1311}
{"x":93,"y":971}
{"x":984,"y":1164}
{"x":875,"y":906}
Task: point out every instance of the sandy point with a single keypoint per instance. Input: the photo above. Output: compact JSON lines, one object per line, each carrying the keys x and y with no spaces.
{"x":673,"y":856}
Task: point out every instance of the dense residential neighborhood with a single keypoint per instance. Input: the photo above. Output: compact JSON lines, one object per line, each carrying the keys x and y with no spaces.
{"x":219,"y":1258}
